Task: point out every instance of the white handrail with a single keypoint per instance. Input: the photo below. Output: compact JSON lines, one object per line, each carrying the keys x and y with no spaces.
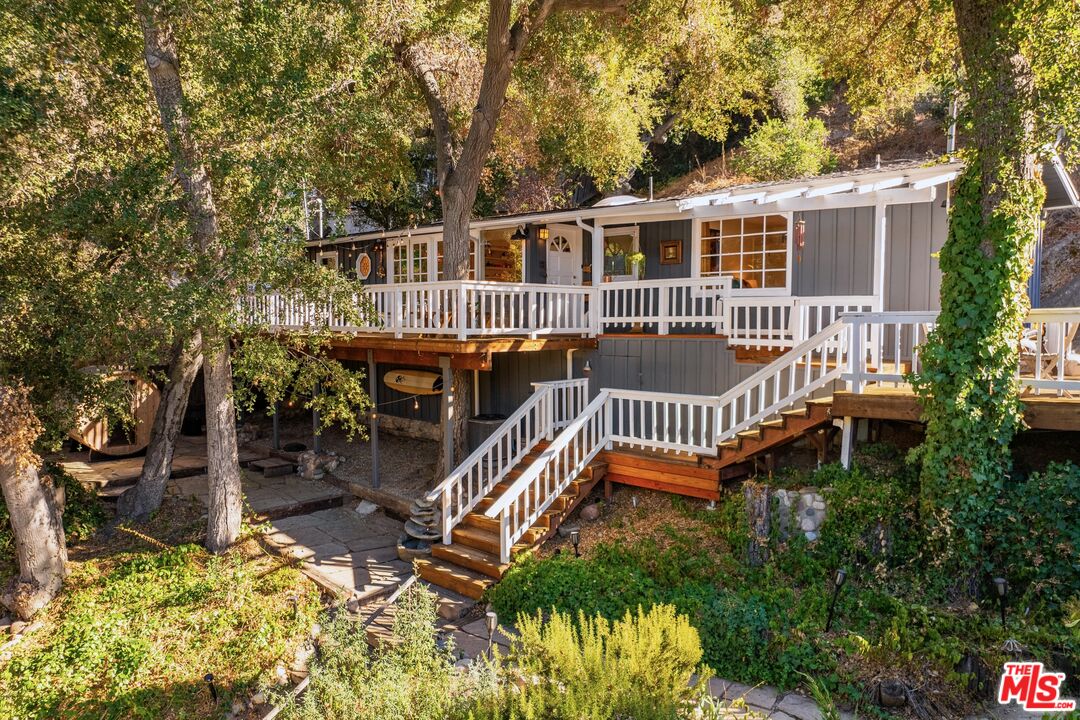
{"x":678,"y":302}
{"x":548,"y":476}
{"x":552,"y":405}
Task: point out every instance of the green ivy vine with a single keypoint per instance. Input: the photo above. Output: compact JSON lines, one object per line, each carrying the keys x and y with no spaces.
{"x":968,"y":380}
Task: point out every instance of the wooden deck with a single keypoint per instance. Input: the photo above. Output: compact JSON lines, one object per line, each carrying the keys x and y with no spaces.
{"x":471,"y":354}
{"x":1041,"y":412}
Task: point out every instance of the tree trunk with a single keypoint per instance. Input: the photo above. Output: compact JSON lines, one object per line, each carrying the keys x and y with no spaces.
{"x":163,"y":65}
{"x":31,"y":502}
{"x":462,"y":383}
{"x":968,"y":384}
{"x":223,"y":526}
{"x":143,"y":499}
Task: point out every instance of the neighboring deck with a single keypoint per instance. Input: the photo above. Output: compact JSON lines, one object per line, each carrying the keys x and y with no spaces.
{"x":470,"y":354}
{"x":1041,"y":412}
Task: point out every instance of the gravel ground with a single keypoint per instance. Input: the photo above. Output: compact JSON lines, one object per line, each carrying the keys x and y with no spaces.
{"x":406,"y":466}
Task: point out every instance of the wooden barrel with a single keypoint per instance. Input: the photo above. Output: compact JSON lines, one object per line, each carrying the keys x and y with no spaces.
{"x":96,"y":435}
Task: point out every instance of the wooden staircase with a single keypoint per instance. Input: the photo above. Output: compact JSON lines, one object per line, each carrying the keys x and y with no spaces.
{"x":767,"y":435}
{"x":470,"y":564}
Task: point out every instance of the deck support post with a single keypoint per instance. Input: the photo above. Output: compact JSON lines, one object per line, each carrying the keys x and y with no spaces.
{"x":448,"y":411}
{"x":570,"y":364}
{"x":316,"y":444}
{"x":276,"y":442}
{"x":847,"y":441}
{"x":373,"y":386}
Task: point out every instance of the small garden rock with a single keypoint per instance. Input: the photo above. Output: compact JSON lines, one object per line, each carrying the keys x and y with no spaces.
{"x":590,"y":513}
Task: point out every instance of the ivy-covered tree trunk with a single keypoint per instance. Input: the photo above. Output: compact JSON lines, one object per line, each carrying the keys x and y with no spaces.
{"x":162,"y":56}
{"x":36,"y":523}
{"x":968,"y":383}
{"x":146,"y":496}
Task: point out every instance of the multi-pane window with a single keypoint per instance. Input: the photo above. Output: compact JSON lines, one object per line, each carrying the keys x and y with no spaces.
{"x":752,"y":250}
{"x":409,"y":261}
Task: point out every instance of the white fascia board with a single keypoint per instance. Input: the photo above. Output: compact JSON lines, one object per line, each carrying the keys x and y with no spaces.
{"x":830,"y":189}
{"x":1066,"y":181}
{"x":735,"y":199}
{"x":893,"y":196}
{"x":693,"y":202}
{"x":934,"y":180}
{"x":878,"y":185}
{"x":782,"y":195}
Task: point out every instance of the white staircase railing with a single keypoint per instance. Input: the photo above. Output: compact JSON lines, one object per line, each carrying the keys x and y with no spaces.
{"x":783,"y":322}
{"x":808,"y":367}
{"x":545,"y":479}
{"x":551,"y":406}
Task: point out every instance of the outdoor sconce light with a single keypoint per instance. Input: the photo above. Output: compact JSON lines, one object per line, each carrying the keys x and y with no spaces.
{"x":838,"y":582}
{"x":587,"y":369}
{"x":1002,"y":586}
{"x":519,"y":233}
{"x":209,"y":678}
{"x":492,"y":625}
{"x":543,"y":234}
{"x":575,"y":539}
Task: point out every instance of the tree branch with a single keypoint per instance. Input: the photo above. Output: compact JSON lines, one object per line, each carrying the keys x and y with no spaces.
{"x":414,"y":59}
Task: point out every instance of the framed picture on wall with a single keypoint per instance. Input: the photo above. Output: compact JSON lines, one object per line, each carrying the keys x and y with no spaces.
{"x":670,"y":252}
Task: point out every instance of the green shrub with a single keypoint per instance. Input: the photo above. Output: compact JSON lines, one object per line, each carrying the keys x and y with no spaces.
{"x":1036,"y":536}
{"x":640,"y":666}
{"x":780,"y":149}
{"x":412,"y":679}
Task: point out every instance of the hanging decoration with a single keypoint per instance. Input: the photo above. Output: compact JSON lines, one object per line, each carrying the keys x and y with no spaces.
{"x":800,"y":238}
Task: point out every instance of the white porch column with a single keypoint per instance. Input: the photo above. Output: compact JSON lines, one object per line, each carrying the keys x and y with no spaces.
{"x":847,"y":441}
{"x":597,"y":253}
{"x":880,"y":254}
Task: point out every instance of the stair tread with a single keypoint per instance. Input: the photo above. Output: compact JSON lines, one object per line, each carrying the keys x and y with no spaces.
{"x":471,"y":558}
{"x":454,"y":577}
{"x":753,"y":433}
{"x":733,"y":444}
{"x":820,"y":401}
{"x":794,"y":412}
{"x":772,"y":424}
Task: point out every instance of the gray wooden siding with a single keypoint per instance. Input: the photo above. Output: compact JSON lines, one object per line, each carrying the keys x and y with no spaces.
{"x":677,"y":365}
{"x":912,"y":274}
{"x":838,"y":255}
{"x":509,"y":382}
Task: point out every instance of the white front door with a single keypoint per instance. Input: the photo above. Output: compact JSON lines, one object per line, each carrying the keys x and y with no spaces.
{"x":564,"y":255}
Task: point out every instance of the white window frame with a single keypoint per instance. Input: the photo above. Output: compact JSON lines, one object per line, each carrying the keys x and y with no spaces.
{"x":409,"y":243}
{"x":331,"y":255}
{"x":633,"y":231}
{"x":695,"y":268}
{"x":476,"y":254}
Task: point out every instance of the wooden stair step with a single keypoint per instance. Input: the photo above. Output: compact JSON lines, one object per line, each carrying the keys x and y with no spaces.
{"x":454,"y":577}
{"x":799,"y":412}
{"x":773,"y":424}
{"x":470,"y":558}
{"x":730,"y":445}
{"x":820,"y":402}
{"x":753,"y":433}
{"x":489,"y":542}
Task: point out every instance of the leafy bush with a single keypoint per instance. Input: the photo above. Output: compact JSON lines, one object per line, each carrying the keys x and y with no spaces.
{"x":412,"y":679}
{"x":780,"y":149}
{"x":638,"y":667}
{"x":1038,"y":543}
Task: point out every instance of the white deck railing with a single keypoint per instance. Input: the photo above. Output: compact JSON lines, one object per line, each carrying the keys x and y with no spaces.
{"x":783,"y":322}
{"x":887,"y":348}
{"x":463,"y":309}
{"x":552,"y":406}
{"x":694,"y":303}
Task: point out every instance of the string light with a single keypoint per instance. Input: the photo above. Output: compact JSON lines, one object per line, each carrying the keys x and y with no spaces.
{"x":416,"y":404}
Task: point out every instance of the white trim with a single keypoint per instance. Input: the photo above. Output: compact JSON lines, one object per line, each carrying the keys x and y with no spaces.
{"x":695,"y":252}
{"x":830,"y":189}
{"x":881,"y":185}
{"x":634,"y":231}
{"x":935,"y":180}
{"x":785,"y":195}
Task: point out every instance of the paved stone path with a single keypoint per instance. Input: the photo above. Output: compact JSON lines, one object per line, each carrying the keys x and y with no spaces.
{"x":343,"y":551}
{"x":269,"y":497}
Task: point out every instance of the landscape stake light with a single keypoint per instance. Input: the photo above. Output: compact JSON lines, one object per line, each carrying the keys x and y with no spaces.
{"x":1002,"y":586}
{"x":575,"y":538}
{"x":209,"y":678}
{"x":492,"y":624}
{"x":838,"y":582}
